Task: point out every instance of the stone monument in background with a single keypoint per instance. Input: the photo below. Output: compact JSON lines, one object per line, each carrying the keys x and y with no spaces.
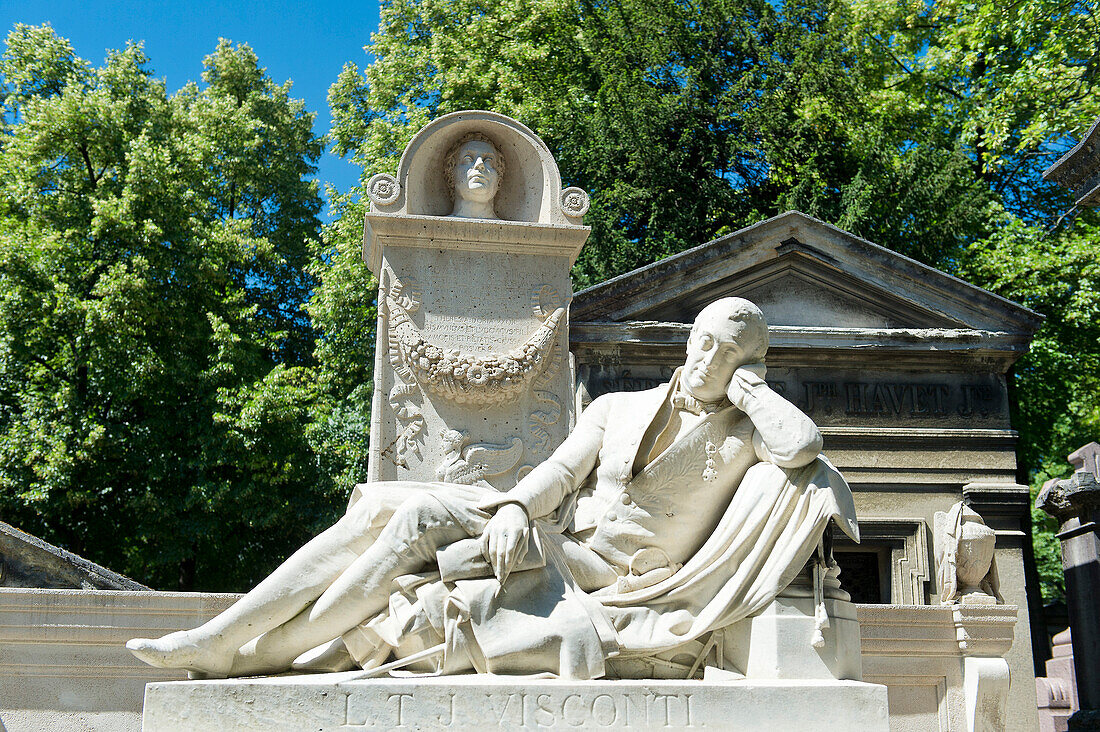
{"x":1076,"y":502}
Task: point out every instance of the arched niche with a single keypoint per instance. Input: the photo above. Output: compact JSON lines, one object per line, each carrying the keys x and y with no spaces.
{"x":529,"y":192}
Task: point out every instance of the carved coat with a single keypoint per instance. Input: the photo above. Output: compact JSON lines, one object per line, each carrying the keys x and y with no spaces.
{"x":670,"y":506}
{"x":704,"y":535}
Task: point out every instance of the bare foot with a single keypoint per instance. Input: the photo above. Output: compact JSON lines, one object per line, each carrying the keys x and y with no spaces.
{"x":178,"y":650}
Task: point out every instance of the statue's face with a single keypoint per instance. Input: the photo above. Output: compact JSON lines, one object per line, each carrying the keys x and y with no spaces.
{"x":476,"y":172}
{"x":715,"y":350}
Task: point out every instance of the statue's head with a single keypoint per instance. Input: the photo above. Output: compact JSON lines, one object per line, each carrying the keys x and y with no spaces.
{"x":452,"y":439}
{"x":474,"y":168}
{"x":727,"y":334}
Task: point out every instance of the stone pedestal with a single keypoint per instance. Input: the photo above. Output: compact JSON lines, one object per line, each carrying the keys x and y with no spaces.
{"x":1075,"y":502}
{"x":472,"y":377}
{"x":63,"y":666}
{"x":776,"y":644}
{"x":944,"y":665}
{"x":1057,"y":691}
{"x":338,"y":702}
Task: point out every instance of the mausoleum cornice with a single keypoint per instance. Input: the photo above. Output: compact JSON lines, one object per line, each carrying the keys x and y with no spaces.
{"x":797,"y":345}
{"x":801,"y":272}
{"x":1079,"y":169}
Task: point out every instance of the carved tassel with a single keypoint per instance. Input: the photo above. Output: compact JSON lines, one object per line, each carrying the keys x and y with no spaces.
{"x":821,"y":616}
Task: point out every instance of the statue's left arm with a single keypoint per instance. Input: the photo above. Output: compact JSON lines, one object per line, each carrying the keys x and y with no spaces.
{"x":784,"y":435}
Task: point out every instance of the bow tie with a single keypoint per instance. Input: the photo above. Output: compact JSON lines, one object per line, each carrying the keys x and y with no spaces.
{"x":682,"y":400}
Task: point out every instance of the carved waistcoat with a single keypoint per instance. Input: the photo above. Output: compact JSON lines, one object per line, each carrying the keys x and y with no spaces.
{"x":674,"y":503}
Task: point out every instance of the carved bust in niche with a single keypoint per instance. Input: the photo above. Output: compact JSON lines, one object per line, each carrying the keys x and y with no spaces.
{"x":474,"y":167}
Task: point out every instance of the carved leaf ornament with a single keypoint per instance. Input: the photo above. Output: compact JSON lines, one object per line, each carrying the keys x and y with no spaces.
{"x":483,"y":379}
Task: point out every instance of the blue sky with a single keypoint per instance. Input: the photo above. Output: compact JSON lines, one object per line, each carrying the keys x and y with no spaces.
{"x":306,"y":42}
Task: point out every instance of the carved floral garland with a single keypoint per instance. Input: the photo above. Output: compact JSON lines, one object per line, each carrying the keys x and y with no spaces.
{"x":468,"y":378}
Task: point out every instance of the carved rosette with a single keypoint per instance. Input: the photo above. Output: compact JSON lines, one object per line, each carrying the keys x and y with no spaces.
{"x":383,"y":189}
{"x":574,"y":202}
{"x":482,"y":379}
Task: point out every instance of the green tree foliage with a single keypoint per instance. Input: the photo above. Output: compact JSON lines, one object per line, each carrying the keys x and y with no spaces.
{"x":1058,"y":380}
{"x":1010,"y":81}
{"x":1016,"y":84}
{"x":155,"y":362}
{"x":344,"y":311}
{"x":685,"y":121}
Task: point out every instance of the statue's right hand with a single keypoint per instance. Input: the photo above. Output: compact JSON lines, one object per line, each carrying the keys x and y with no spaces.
{"x":504,"y":541}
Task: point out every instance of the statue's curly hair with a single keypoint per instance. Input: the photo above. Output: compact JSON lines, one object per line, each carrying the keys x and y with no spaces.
{"x":451,"y":158}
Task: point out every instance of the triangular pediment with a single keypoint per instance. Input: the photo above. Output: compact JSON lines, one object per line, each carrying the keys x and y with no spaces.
{"x":30,"y":562}
{"x":802,"y":272}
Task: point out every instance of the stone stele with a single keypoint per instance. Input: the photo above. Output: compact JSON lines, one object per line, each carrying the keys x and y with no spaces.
{"x":472,"y":377}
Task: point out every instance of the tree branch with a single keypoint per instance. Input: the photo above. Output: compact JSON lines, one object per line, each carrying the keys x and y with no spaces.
{"x":906,"y":69}
{"x":83,"y":148}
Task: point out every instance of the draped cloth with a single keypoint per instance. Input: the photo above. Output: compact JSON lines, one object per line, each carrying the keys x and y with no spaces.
{"x":541,"y":622}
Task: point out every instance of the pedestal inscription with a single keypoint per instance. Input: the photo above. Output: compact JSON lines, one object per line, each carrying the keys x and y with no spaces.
{"x":328,"y":703}
{"x":846,"y":397}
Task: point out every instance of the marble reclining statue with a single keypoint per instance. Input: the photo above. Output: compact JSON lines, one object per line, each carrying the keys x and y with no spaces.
{"x":665,"y":515}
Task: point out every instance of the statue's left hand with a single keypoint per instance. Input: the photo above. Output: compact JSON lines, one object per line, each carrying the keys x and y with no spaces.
{"x":504,"y":541}
{"x":745,"y":379}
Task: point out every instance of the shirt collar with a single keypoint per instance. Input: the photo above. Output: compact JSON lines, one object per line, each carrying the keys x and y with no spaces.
{"x":682,"y":400}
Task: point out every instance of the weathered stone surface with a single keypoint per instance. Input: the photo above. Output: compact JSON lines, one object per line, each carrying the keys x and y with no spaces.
{"x":866,"y":397}
{"x":964,"y":552}
{"x":333,"y":702}
{"x":1057,"y":691}
{"x":63,"y":666}
{"x":1079,"y":169}
{"x":27,"y":561}
{"x":809,"y":275}
{"x":943,"y":666}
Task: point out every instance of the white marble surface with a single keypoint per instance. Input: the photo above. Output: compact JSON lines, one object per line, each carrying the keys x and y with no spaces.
{"x":665,"y":515}
{"x":331,"y":702}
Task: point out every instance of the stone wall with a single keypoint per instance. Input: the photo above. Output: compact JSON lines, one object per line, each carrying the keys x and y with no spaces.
{"x":63,"y":665}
